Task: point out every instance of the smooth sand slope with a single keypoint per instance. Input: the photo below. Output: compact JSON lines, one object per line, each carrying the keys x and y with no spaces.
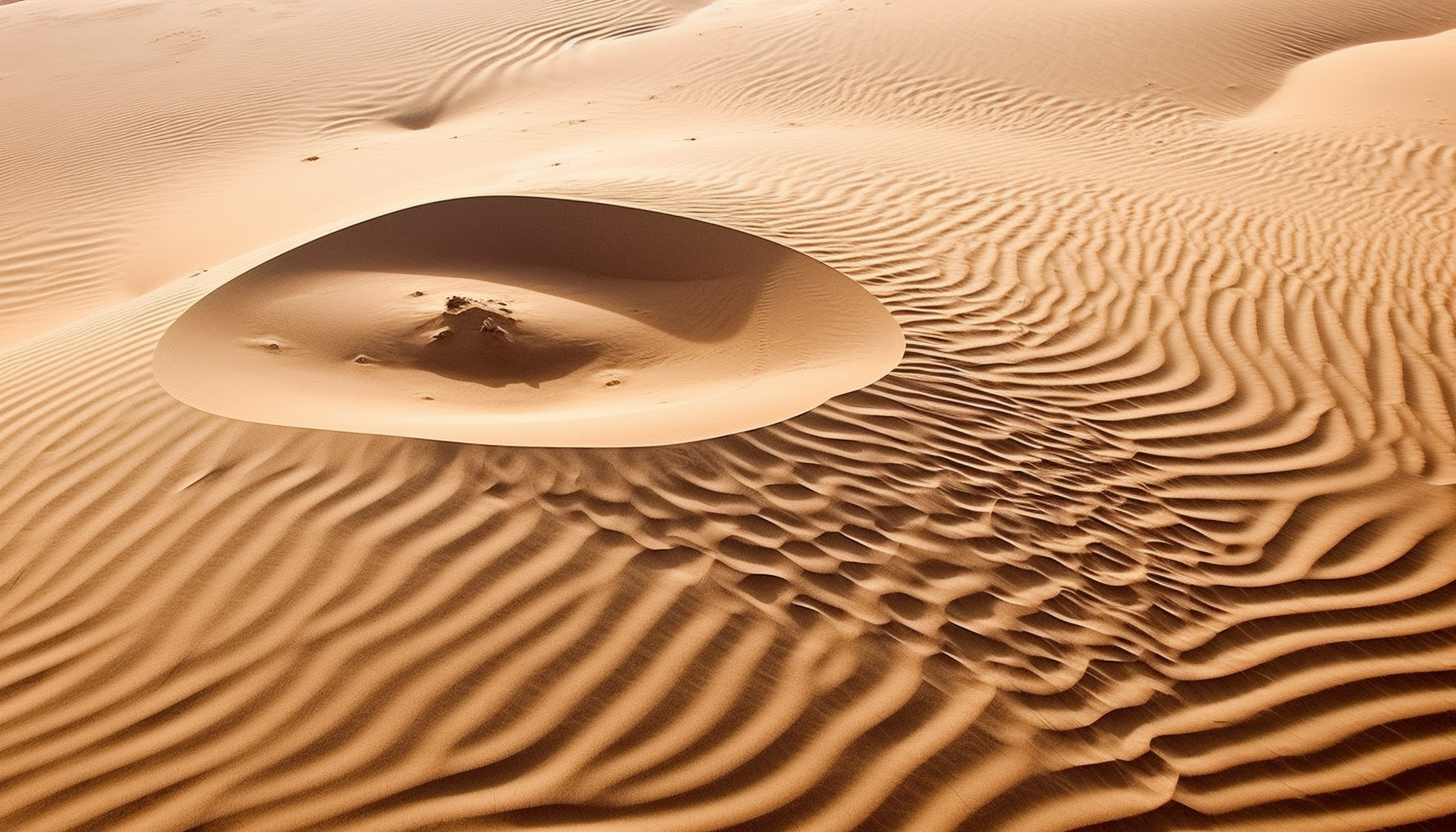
{"x":530,"y":321}
{"x":1152,"y":526}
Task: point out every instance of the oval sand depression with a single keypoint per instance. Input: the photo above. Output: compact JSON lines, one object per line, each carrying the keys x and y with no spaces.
{"x":530,"y":321}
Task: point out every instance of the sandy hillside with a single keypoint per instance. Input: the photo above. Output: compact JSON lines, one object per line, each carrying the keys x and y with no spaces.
{"x":1143,"y":517}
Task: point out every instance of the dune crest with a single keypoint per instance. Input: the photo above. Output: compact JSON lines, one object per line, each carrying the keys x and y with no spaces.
{"x":1408,"y":85}
{"x":530,"y":321}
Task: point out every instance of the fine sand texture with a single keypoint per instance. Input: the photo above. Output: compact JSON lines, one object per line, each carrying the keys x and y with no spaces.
{"x":1031,"y":416}
{"x":530,"y":321}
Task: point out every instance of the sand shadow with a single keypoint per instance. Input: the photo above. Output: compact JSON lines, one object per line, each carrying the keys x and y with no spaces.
{"x":529,"y":321}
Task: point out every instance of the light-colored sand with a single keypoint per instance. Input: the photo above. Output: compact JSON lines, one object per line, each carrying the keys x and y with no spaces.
{"x":1153,"y":526}
{"x":530,"y":321}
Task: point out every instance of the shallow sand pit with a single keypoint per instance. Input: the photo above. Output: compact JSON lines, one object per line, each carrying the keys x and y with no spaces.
{"x":530,"y":321}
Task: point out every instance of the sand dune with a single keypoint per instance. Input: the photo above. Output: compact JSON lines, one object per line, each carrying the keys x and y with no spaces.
{"x":1150,"y":527}
{"x":530,"y":321}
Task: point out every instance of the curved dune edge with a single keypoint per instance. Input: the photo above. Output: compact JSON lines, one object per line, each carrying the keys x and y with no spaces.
{"x":530,"y":321}
{"x":1407,"y":85}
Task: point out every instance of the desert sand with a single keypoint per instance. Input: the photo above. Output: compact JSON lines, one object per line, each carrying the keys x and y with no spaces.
{"x":747,"y":414}
{"x":530,"y":321}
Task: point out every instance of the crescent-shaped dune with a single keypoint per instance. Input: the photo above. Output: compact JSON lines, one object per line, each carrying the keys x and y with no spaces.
{"x":1029,"y":416}
{"x":530,"y":321}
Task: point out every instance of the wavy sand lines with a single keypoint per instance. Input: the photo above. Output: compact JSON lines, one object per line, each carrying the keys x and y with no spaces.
{"x":1150,"y":527}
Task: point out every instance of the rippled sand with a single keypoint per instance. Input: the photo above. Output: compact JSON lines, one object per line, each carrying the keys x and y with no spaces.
{"x":1152,"y":526}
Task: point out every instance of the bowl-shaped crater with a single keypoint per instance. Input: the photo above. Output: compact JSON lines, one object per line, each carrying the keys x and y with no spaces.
{"x":529,"y":321}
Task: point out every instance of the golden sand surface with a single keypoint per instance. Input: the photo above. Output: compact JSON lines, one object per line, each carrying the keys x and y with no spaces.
{"x":637,"y":415}
{"x":530,"y":321}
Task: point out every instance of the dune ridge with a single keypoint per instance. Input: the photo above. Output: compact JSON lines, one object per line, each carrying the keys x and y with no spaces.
{"x":1150,"y":528}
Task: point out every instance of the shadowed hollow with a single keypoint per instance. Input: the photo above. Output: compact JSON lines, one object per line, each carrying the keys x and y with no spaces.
{"x":530,"y":321}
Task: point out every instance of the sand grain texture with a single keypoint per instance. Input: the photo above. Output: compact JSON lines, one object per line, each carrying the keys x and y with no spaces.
{"x":528,"y":321}
{"x":1153,"y":525}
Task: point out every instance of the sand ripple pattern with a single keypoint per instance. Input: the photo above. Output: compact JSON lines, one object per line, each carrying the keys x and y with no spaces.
{"x":1154,"y":526}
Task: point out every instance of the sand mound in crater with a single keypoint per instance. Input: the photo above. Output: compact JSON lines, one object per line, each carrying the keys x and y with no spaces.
{"x":530,"y":321}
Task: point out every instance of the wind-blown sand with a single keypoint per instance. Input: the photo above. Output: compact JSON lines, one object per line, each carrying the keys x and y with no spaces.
{"x":530,"y":321}
{"x":1151,"y":526}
